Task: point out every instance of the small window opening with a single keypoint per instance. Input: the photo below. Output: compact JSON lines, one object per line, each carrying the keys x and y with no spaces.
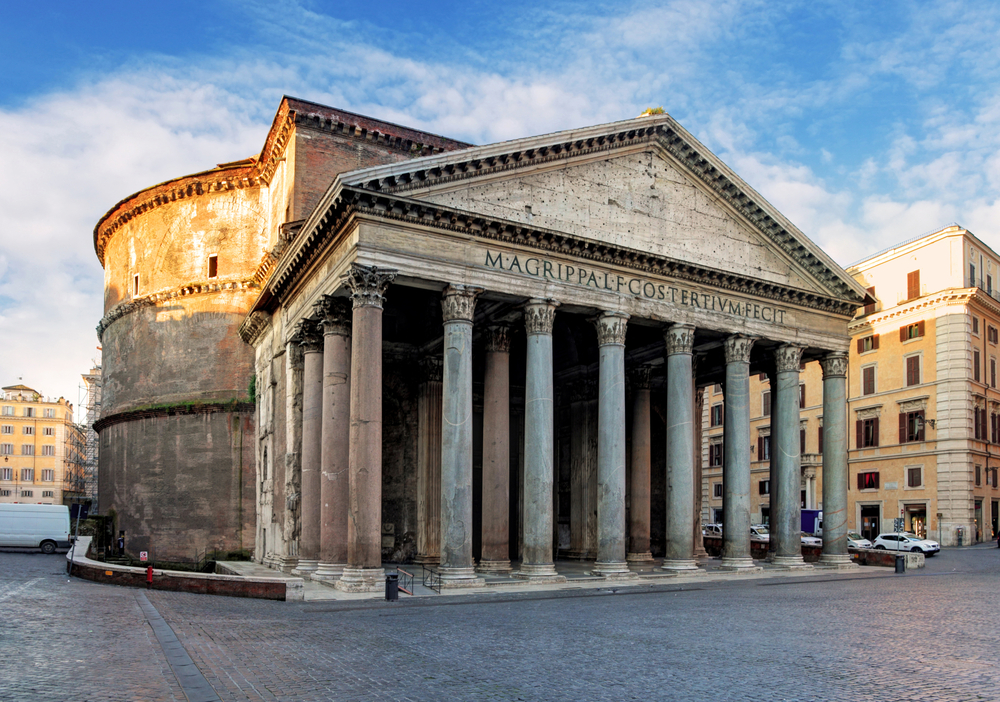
{"x":213,"y":266}
{"x":135,"y":284}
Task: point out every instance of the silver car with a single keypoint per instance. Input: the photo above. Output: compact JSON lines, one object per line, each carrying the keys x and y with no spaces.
{"x":856,"y":540}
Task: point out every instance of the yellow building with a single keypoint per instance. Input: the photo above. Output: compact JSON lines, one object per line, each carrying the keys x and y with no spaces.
{"x":41,"y":449}
{"x":923,"y":409}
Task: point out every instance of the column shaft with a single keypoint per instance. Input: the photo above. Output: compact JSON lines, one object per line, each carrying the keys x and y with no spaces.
{"x":736,"y":456}
{"x":538,"y":443}
{"x":639,"y":466}
{"x":429,"y":424}
{"x":457,"y":567}
{"x":680,"y":449}
{"x":496,"y":453}
{"x":835,"y":474}
{"x":786,"y":470}
{"x":312,"y":427}
{"x":583,"y":472}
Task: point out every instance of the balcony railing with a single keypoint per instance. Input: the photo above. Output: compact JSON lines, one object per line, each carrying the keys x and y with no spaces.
{"x":985,"y":285}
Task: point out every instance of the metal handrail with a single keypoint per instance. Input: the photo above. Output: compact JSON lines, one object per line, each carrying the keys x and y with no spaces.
{"x":431,"y":579}
{"x":405,"y":581}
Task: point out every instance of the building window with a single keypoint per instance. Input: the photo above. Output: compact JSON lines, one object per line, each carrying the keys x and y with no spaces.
{"x":4,"y":493}
{"x":716,"y":415}
{"x":994,"y":428}
{"x":763,"y":448}
{"x":27,"y":493}
{"x":48,"y":450}
{"x":28,"y":431}
{"x":868,"y":380}
{"x":913,"y":285}
{"x":29,"y":411}
{"x":6,"y":449}
{"x":991,"y":334}
{"x":993,"y":372}
{"x":802,"y":395}
{"x":765,"y":402}
{"x":972,"y":275}
{"x":28,"y":475}
{"x":867,"y":430}
{"x":976,"y":360}
{"x":975,"y":325}
{"x":48,"y":475}
{"x":717,"y":389}
{"x":911,"y":426}
{"x":715,"y":454}
{"x":870,"y":307}
{"x":213,"y":266}
{"x":717,"y":490}
{"x":911,"y":331}
{"x":7,"y":429}
{"x":979,"y":474}
{"x":868,"y":343}
{"x":8,"y":411}
{"x":912,"y":371}
{"x":48,"y":493}
{"x":6,"y":473}
{"x":49,"y":412}
{"x":868,"y":480}
{"x":135,"y":285}
{"x":764,"y":487}
{"x":49,"y":431}
{"x":989,"y":284}
{"x":819,"y":441}
{"x":979,"y":422}
{"x":27,"y":449}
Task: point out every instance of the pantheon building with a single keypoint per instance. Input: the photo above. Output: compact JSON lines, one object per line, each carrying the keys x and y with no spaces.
{"x":482,"y":358}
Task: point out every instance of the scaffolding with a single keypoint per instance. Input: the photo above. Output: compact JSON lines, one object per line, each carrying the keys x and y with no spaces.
{"x":91,"y":402}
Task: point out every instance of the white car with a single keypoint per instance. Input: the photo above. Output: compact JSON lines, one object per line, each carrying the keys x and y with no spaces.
{"x":809,"y":540}
{"x":856,"y":540}
{"x":759,"y":532}
{"x":906,"y":541}
{"x":711,"y":530}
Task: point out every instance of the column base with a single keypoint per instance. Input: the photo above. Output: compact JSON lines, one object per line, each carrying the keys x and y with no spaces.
{"x":640,"y":558}
{"x":613,"y":570}
{"x":688,"y":566}
{"x":328,"y":572}
{"x":493,"y":567}
{"x":837,"y":562}
{"x":579,"y":555}
{"x":790,"y":563}
{"x":743,"y":564}
{"x":539,"y":573}
{"x":455,"y":578}
{"x":361,"y":580}
{"x":286,"y":564}
{"x":305,"y":568}
{"x":427,"y":560}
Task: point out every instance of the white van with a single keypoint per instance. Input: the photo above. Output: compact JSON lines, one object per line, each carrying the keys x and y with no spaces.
{"x":34,"y":526}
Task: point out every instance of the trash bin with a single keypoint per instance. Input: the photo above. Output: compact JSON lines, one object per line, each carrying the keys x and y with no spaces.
{"x":392,"y":587}
{"x":900,"y":564}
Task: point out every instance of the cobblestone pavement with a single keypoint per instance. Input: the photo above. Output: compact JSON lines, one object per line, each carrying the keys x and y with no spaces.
{"x":932,"y":634}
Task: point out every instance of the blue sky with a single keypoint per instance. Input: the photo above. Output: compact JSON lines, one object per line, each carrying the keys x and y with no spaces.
{"x":865,"y":123}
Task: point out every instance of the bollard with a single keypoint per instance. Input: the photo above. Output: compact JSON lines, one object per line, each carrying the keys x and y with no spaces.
{"x":392,"y":587}
{"x":149,"y":577}
{"x":900,"y":564}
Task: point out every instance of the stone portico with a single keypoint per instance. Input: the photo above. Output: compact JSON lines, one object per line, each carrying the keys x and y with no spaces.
{"x":520,"y":331}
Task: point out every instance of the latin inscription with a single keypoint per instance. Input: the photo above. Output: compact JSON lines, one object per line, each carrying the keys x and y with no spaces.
{"x":637,"y":287}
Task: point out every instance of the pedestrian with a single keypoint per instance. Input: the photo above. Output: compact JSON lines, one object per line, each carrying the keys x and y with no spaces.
{"x":121,"y":545}
{"x":998,"y":539}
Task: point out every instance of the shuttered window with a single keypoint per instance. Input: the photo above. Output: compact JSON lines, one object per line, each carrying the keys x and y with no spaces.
{"x":913,"y":371}
{"x":912,"y":285}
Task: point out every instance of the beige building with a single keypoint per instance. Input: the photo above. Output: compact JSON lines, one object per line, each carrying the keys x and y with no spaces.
{"x":41,"y":449}
{"x":923,"y":400}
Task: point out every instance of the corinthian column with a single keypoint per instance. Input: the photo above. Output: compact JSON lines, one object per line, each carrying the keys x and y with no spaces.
{"x":611,"y":329}
{"x":496,"y":453}
{"x":639,"y":515}
{"x":537,"y":564}
{"x":786,"y":469}
{"x":736,"y":459}
{"x":334,"y":483}
{"x":364,"y":571}
{"x":458,"y":305}
{"x":679,"y":340}
{"x":429,"y":463}
{"x":835,"y":461}
{"x":311,"y":340}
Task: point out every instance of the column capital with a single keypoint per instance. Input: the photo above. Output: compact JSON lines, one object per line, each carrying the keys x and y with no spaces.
{"x":334,"y":315}
{"x":539,"y":315}
{"x":307,"y":334}
{"x":788,"y":358}
{"x":738,"y":348}
{"x":834,"y":365}
{"x":498,"y":339}
{"x":368,"y":284}
{"x":458,"y":303}
{"x":611,"y":328}
{"x":679,"y":339}
{"x":639,"y":376}
{"x":432,"y":368}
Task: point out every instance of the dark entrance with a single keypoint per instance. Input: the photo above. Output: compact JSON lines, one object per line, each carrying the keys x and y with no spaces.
{"x":870,"y":521}
{"x":996,"y":518}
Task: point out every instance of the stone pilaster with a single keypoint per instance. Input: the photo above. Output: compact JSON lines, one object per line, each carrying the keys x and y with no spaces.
{"x":496,"y":453}
{"x":786,"y":468}
{"x":736,"y":456}
{"x":311,"y":340}
{"x":458,"y":305}
{"x":835,"y":473}
{"x":364,"y":528}
{"x":679,"y":340}
{"x":539,"y":449}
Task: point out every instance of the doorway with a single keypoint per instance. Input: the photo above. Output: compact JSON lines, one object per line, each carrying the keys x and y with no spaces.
{"x":870,"y":521}
{"x":916,"y":520}
{"x":996,"y":518}
{"x":979,"y":521}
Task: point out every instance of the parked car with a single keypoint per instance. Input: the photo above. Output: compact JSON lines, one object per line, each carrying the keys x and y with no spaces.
{"x":759,"y":532}
{"x":856,"y":540}
{"x":906,"y":541}
{"x":808,"y":540}
{"x":711,"y":530}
